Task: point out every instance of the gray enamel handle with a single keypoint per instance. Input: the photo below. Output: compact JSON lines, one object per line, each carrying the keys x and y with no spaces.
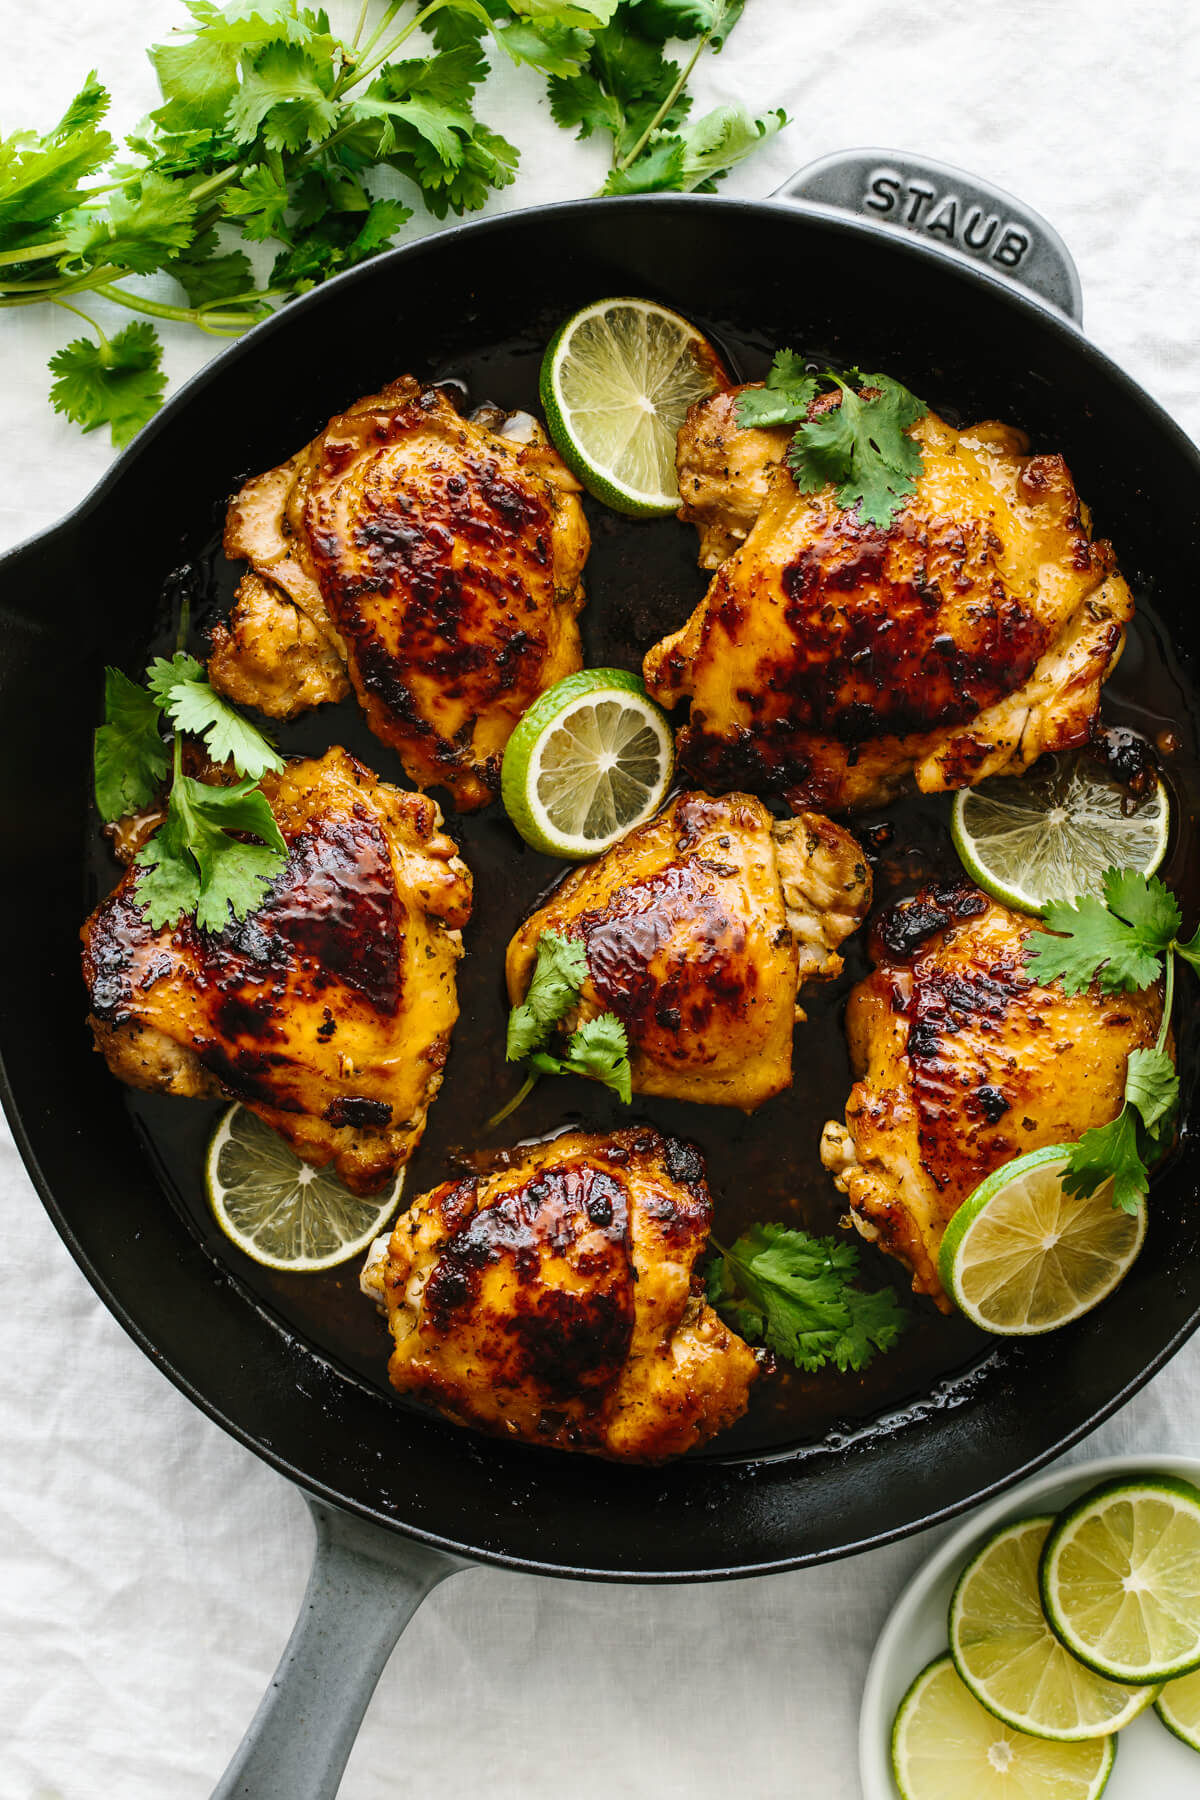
{"x":959,"y":213}
{"x":365,"y":1586}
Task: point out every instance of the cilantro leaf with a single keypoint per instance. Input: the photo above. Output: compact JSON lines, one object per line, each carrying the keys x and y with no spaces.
{"x":784,"y":398}
{"x":659,"y":169}
{"x":1145,"y":903}
{"x":285,"y":95}
{"x":117,"y":383}
{"x":588,"y":17}
{"x":599,"y":1050}
{"x":163,"y":673}
{"x":259,"y":203}
{"x":559,"y":973}
{"x":1093,"y":944}
{"x":1110,"y":1150}
{"x":860,"y":448}
{"x":796,"y":1294}
{"x":198,"y":79}
{"x":39,"y":179}
{"x":662,"y":19}
{"x":192,"y":705}
{"x":205,"y":276}
{"x":1152,"y":1086}
{"x":147,"y":221}
{"x":130,"y":756}
{"x":554,"y":49}
{"x":193,"y":864}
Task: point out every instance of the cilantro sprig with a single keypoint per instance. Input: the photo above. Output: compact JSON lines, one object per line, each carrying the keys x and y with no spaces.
{"x":198,"y":861}
{"x":598,"y":1049}
{"x":798,"y":1295}
{"x":276,"y":131}
{"x":1127,"y":941}
{"x":861,"y":447}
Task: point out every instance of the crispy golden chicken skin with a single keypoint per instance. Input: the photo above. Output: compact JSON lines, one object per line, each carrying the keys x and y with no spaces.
{"x":699,"y":927}
{"x":432,"y":560}
{"x":556,"y":1300}
{"x":835,"y":661}
{"x":328,"y":1011}
{"x":964,"y":1063}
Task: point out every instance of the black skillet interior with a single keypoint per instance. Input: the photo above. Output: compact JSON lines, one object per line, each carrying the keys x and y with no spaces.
{"x":481,"y":301}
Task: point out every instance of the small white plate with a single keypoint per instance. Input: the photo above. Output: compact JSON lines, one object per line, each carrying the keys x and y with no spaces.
{"x":1149,"y":1760}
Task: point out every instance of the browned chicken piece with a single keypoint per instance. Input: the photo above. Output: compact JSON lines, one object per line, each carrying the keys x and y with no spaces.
{"x":328,"y":1011}
{"x":556,"y":1300}
{"x":699,"y":927}
{"x":835,"y":661}
{"x":964,"y":1062}
{"x":429,"y":561}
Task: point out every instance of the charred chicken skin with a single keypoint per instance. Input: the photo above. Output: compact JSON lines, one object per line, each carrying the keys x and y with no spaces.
{"x":964,"y":1062}
{"x":556,"y":1300}
{"x":699,"y":927}
{"x":836,"y":661}
{"x":427,"y":560}
{"x":328,"y":1011}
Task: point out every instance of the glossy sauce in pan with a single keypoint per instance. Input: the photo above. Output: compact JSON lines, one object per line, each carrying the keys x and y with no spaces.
{"x":642,"y":582}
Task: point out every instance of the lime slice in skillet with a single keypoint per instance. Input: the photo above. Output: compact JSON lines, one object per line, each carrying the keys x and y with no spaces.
{"x":283,"y":1212}
{"x":616,"y":384}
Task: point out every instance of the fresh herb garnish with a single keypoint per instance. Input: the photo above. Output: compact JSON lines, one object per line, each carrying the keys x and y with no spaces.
{"x":861,"y":447}
{"x":1125,"y":942}
{"x":627,"y":87}
{"x":598,"y":1049}
{"x":796,"y":1294}
{"x":274,"y":128}
{"x":191,"y":864}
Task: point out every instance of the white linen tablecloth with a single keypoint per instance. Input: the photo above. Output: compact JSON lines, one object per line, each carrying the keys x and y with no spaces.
{"x":150,"y":1568}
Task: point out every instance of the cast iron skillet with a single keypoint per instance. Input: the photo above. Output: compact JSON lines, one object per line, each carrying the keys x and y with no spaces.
{"x":87,"y":592}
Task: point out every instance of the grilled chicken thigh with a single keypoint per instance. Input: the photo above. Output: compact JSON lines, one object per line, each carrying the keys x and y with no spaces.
{"x":833,"y":660}
{"x":964,"y":1063}
{"x":425,"y":559}
{"x":556,"y":1300}
{"x":699,"y":927}
{"x":328,"y":1011}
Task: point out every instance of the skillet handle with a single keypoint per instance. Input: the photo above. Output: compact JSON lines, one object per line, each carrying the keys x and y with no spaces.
{"x":365,"y":1586}
{"x":959,"y":213}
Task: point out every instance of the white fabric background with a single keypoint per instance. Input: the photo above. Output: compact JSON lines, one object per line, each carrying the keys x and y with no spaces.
{"x":149,"y":1567}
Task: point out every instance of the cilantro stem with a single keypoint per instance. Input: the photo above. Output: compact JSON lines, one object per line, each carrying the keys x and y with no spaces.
{"x":663,"y":110}
{"x":526,"y":1088}
{"x":204,"y":316}
{"x":1168,"y":998}
{"x":34,"y":252}
{"x":105,"y":346}
{"x":368,"y":68}
{"x":362,"y":19}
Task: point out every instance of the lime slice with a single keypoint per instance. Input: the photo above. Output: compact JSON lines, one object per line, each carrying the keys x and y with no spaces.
{"x":1011,"y":1660}
{"x":1051,"y":834}
{"x":945,"y":1746}
{"x":617,"y":380}
{"x":1120,"y":1578}
{"x":283,"y":1212}
{"x":1021,"y":1256}
{"x":1178,"y":1706}
{"x":590,"y":760}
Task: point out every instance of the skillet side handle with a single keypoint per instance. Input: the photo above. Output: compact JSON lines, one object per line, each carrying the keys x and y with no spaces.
{"x":365,"y":1586}
{"x":957,"y":212}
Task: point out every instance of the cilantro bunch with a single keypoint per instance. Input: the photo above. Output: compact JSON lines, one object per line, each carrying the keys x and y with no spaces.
{"x":199,"y":860}
{"x":598,"y":1050}
{"x":1123,"y":943}
{"x":860,"y":447}
{"x":273,"y":129}
{"x":797,"y":1294}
